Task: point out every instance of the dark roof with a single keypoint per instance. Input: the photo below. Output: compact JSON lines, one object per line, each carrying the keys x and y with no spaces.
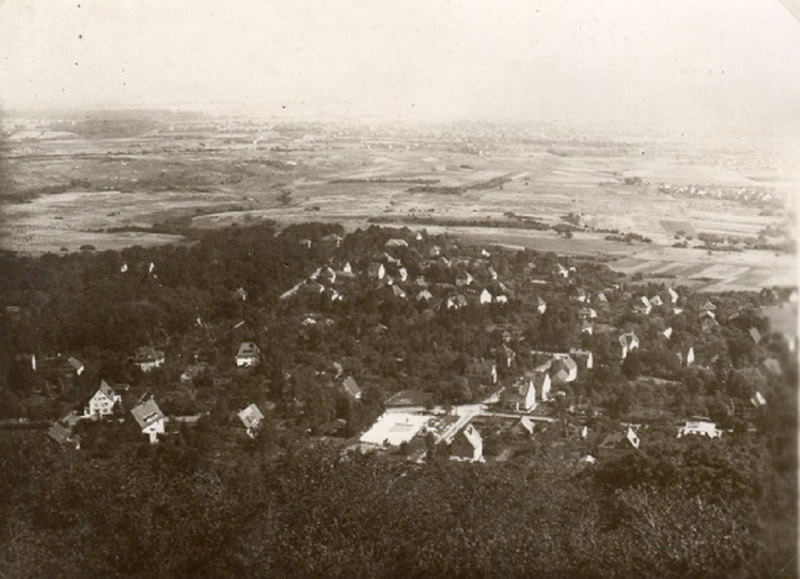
{"x":350,"y":386}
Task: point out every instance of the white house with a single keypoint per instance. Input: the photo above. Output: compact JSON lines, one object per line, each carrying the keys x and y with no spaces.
{"x":699,"y":426}
{"x":247,"y":355}
{"x":251,"y":418}
{"x":690,"y":356}
{"x":150,"y":419}
{"x":541,"y":305}
{"x":667,"y":333}
{"x":673,"y":295}
{"x":103,"y":401}
{"x":486,"y":297}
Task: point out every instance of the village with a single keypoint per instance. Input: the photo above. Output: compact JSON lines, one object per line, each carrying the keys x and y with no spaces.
{"x":544,"y":351}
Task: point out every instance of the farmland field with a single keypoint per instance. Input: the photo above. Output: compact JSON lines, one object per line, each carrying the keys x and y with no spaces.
{"x":110,"y":191}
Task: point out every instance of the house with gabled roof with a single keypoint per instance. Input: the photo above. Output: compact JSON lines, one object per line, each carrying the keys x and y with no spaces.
{"x":376,"y":270}
{"x":464,"y":278}
{"x":667,"y":333}
{"x":456,"y":302}
{"x":252,"y":418}
{"x":758,"y":400}
{"x":481,"y":371}
{"x":192,"y":372}
{"x":104,"y":401}
{"x":351,"y":388}
{"x":628,"y":341}
{"x":521,"y":397}
{"x":150,"y":419}
{"x":467,"y":445}
{"x":148,"y":358}
{"x":332,"y":240}
{"x":587,"y":327}
{"x":425,"y":295}
{"x":63,"y":436}
{"x":673,"y":295}
{"x":77,"y":365}
{"x":541,"y":305}
{"x":642,"y":306}
{"x":619,"y":444}
{"x":564,"y":369}
{"x":755,"y":335}
{"x":485,"y":297}
{"x":398,"y":292}
{"x":656,"y":300}
{"x":248,"y":355}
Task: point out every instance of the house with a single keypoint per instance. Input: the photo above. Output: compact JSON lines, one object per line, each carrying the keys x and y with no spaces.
{"x":758,"y":400}
{"x":601,"y":298}
{"x":656,"y":300}
{"x":543,"y":384}
{"x":508,"y":355}
{"x":347,"y":269}
{"x":63,"y":436}
{"x":584,"y":358}
{"x":464,"y":279}
{"x":755,"y":334}
{"x":467,"y":445}
{"x":456,"y":302}
{"x":150,"y":419}
{"x":708,"y":323}
{"x":587,"y":327}
{"x":492,"y":272}
{"x":403,"y":273}
{"x":396,"y":242}
{"x":420,"y":281}
{"x":629,"y":342}
{"x":481,"y":371}
{"x":424,"y":294}
{"x":643,"y":306}
{"x":773,"y":366}
{"x":248,"y":355}
{"x":564,"y":369}
{"x":521,"y":397}
{"x":526,"y":425}
{"x":501,"y":299}
{"x":398,"y":292}
{"x":192,"y":372}
{"x":587,"y":313}
{"x":77,"y":365}
{"x":690,"y":356}
{"x":148,"y":358}
{"x":486,"y":297}
{"x":351,"y":388}
{"x":305,"y":243}
{"x":252,"y":419}
{"x":708,"y":306}
{"x":699,"y":426}
{"x":242,"y":293}
{"x":541,"y":305}
{"x":673,"y":295}
{"x":561,"y":270}
{"x":667,"y":333}
{"x":104,"y":401}
{"x":331,"y":241}
{"x":619,"y":444}
{"x":376,"y":270}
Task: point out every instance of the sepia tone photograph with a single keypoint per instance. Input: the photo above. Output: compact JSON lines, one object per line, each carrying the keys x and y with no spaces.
{"x":399,"y":289}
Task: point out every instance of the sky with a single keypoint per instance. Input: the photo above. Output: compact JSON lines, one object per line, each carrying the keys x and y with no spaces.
{"x":661,"y":63}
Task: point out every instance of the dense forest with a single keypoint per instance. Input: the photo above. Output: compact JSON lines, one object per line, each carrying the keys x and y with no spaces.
{"x":208,"y":502}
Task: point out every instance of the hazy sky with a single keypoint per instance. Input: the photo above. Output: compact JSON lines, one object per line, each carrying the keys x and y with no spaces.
{"x":677,"y":62}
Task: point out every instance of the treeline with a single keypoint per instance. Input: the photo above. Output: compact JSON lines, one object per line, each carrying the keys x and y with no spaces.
{"x":702,"y":510}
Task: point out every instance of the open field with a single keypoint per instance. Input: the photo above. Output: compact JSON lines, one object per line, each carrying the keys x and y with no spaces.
{"x":108,"y":191}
